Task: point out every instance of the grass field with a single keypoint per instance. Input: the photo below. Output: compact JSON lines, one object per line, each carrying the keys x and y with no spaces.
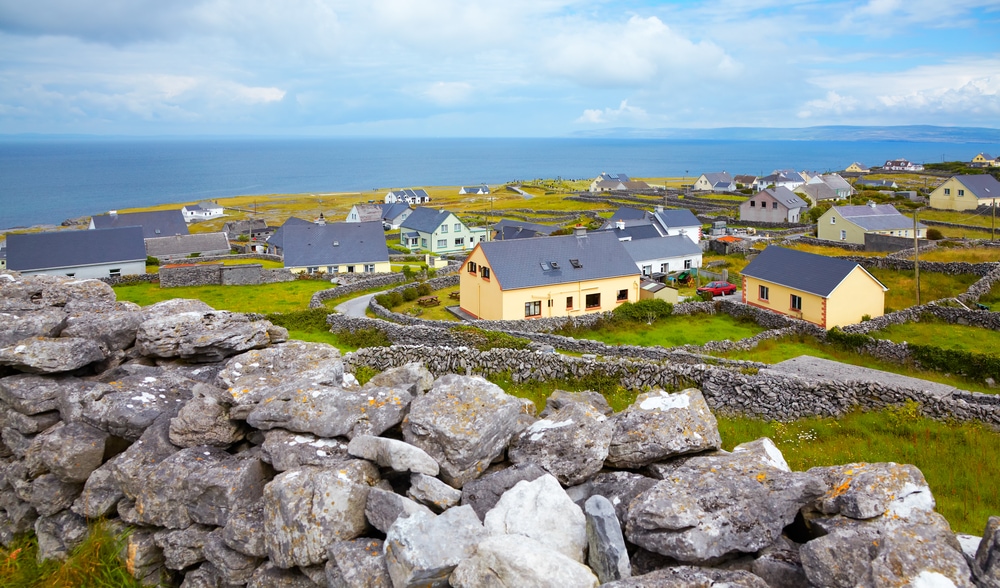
{"x":933,"y":286}
{"x":831,"y":251}
{"x":433,"y":313}
{"x":967,"y":254}
{"x":958,"y":217}
{"x":265,"y":298}
{"x":673,"y":331}
{"x":943,"y":335}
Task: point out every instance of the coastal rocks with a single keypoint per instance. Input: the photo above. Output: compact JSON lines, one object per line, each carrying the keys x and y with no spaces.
{"x":660,"y":425}
{"x":464,"y":423}
{"x":204,"y":336}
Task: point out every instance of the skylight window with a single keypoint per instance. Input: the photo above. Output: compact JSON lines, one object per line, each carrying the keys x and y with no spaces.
{"x":545,"y":266}
{"x":575,"y":263}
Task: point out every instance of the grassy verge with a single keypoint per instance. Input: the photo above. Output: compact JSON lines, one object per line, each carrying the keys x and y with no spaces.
{"x":265,"y":298}
{"x":673,"y":331}
{"x":95,"y":563}
{"x":933,"y":286}
{"x":943,"y":335}
{"x":966,"y":254}
{"x":958,"y":460}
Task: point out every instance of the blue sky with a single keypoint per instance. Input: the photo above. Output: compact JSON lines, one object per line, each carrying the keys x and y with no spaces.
{"x":491,"y":68}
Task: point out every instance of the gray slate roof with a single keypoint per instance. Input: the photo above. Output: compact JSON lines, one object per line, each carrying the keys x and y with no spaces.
{"x":279,"y":235}
{"x":369,"y":212}
{"x":424,"y":219}
{"x":671,"y":218}
{"x":628,"y":213}
{"x":518,"y":263}
{"x":334,"y":244}
{"x":60,"y":249}
{"x":981,"y":185}
{"x":392,"y":210}
{"x":203,"y":206}
{"x":673,"y":246}
{"x":818,"y":192}
{"x":808,"y":272}
{"x":786,"y":197}
{"x":606,"y":177}
{"x":881,"y":217}
{"x":518,"y":229}
{"x":187,"y":244}
{"x":158,"y":223}
{"x":417,"y":194}
{"x":634,"y":231}
{"x":716,"y":178}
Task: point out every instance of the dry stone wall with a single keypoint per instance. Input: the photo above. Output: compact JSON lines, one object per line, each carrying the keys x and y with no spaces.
{"x":221,"y":275}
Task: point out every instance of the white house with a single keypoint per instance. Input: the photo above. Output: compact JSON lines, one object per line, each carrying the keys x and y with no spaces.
{"x":202,"y":211}
{"x":773,"y":205}
{"x":484,"y":189}
{"x":100,"y":253}
{"x":439,"y":231}
{"x":715,"y":182}
{"x":902,"y":165}
{"x":664,"y":255}
{"x":407,"y":195}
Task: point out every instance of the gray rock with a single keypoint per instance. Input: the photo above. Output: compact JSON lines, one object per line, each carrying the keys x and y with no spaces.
{"x":16,"y":442}
{"x":606,"y":554}
{"x":423,"y":549}
{"x":713,"y":507}
{"x":560,"y":398}
{"x":48,"y":494}
{"x":987,"y":558}
{"x":234,"y":567}
{"x":204,"y":421}
{"x":330,"y":412}
{"x":17,"y":326}
{"x":131,"y":467}
{"x":484,"y":493}
{"x":464,"y":423}
{"x":201,"y":336}
{"x":433,"y":493}
{"x":358,"y":563}
{"x":393,"y":454}
{"x":412,"y":377}
{"x":242,"y":530}
{"x":20,"y":515}
{"x":173,"y":307}
{"x":780,"y":565}
{"x":112,"y":330}
{"x":58,"y":534}
{"x":540,"y":509}
{"x":571,"y":444}
{"x":71,"y":452}
{"x":127,"y":513}
{"x":33,"y":394}
{"x":182,"y":548}
{"x":129,"y":405}
{"x":286,"y":450}
{"x":36,"y":292}
{"x":271,"y":576}
{"x":204,"y":576}
{"x":688,"y":577}
{"x":143,"y":558}
{"x":867,"y":490}
{"x":308,"y":508}
{"x":660,"y":425}
{"x":100,"y":495}
{"x":199,"y":484}
{"x":45,"y":355}
{"x":514,"y":561}
{"x":618,"y":487}
{"x":383,"y":508}
{"x":29,"y":424}
{"x":250,"y":375}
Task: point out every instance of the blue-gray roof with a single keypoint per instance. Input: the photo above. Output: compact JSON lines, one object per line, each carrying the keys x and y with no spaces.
{"x":175,"y":245}
{"x":60,"y":249}
{"x":881,"y":217}
{"x":158,"y":223}
{"x":671,"y":218}
{"x":279,"y":234}
{"x":204,"y":206}
{"x":525,"y":263}
{"x":808,"y":272}
{"x":334,"y":244}
{"x":392,"y":210}
{"x":627,"y":213}
{"x":981,"y":185}
{"x":424,"y":219}
{"x":633,"y":232}
{"x":417,"y":194}
{"x":518,"y":229}
{"x":786,"y":197}
{"x":662,"y":247}
{"x":606,"y":177}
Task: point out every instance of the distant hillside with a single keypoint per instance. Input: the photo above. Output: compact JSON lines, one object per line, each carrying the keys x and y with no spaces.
{"x":923,"y":133}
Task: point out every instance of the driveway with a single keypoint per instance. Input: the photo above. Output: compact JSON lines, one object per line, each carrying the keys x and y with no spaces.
{"x":355,"y":307}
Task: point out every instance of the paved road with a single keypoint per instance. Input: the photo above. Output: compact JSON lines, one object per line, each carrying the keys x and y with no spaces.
{"x":355,"y":306}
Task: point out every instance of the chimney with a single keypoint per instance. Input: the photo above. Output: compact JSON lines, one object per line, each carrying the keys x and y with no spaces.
{"x":321,"y":220}
{"x":620,"y":224}
{"x":113,"y":212}
{"x":871,"y":204}
{"x":579,"y":230}
{"x":659,"y":208}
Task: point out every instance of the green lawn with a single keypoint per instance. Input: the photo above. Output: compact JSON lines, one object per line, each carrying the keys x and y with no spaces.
{"x":966,"y":254}
{"x":933,"y":286}
{"x":673,"y":331}
{"x":433,"y":313}
{"x":958,"y":460}
{"x":943,"y":335}
{"x":774,"y":351}
{"x":281,"y":297}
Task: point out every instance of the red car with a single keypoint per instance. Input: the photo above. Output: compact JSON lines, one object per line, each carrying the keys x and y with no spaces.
{"x":718,"y":288}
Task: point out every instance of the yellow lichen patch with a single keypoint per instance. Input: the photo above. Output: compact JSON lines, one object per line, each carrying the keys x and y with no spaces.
{"x":761,"y":477}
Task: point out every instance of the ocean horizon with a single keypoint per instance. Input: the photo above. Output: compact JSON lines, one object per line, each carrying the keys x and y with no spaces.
{"x":49,"y":181}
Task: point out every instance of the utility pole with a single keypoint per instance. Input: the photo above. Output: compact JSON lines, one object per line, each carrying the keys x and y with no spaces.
{"x":916,"y":252}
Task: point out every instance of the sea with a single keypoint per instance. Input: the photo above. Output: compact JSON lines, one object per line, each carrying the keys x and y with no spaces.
{"x":52,"y":180}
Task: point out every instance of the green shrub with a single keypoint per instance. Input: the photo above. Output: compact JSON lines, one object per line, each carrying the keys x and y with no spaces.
{"x":410,"y":294}
{"x":408,"y":272}
{"x":390,"y":300}
{"x":706,"y":296}
{"x":311,"y":320}
{"x":195,"y":254}
{"x":150,"y":260}
{"x":364,"y":338}
{"x":486,"y":340}
{"x":847,"y":341}
{"x":644,"y":310}
{"x":934,"y":235}
{"x":975,"y":366}
{"x":424,"y":289}
{"x":363,"y":374}
{"x":398,"y":248}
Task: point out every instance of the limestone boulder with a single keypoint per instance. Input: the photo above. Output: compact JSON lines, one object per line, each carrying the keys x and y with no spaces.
{"x":424,"y":549}
{"x":132,"y":467}
{"x":688,"y":576}
{"x":173,"y":307}
{"x":571,"y":444}
{"x":987,"y":558}
{"x":867,"y":490}
{"x":248,"y":376}
{"x":308,"y":508}
{"x":606,"y":552}
{"x":714,"y":507}
{"x":393,"y":454}
{"x":412,"y":377}
{"x":779,"y":565}
{"x":659,"y":425}
{"x":234,"y":567}
{"x":358,"y":563}
{"x":271,"y":576}
{"x":464,"y":423}
{"x":433,"y":493}
{"x":19,"y":292}
{"x":47,"y":355}
{"x":16,"y":326}
{"x":59,"y":533}
{"x":33,"y":394}
{"x":112,"y":330}
{"x":201,"y":336}
{"x":618,"y":487}
{"x":127,"y":406}
{"x":182,"y":548}
{"x":514,"y":560}
{"x":101,"y":493}
{"x":541,"y":510}
{"x":204,"y":420}
{"x":71,"y":452}
{"x":286,"y":450}
{"x":560,"y":398}
{"x":242,"y":530}
{"x":483,"y":494}
{"x":383,"y":508}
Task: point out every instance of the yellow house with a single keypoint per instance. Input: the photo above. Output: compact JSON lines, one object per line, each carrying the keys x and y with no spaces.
{"x":544,"y":277}
{"x":858,"y":168}
{"x":966,"y":192}
{"x":849,"y":224}
{"x":825,"y":291}
{"x":984,"y":160}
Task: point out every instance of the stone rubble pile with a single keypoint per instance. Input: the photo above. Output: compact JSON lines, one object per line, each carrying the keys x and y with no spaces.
{"x":238,"y":458}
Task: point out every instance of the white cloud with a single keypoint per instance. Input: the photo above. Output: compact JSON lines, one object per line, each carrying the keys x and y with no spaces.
{"x":624,"y":112}
{"x":448,"y":93}
{"x":637,"y":52}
